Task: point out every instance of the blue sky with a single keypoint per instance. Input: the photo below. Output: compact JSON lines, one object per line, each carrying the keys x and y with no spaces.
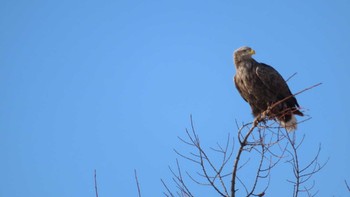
{"x":109,"y":85}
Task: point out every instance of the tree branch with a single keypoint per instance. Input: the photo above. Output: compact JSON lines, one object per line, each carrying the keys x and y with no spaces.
{"x":242,"y":146}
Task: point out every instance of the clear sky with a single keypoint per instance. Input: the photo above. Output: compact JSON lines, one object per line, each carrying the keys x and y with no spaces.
{"x":109,"y":85}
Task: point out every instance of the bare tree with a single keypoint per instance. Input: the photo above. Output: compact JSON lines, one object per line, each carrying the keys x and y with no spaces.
{"x":262,"y":139}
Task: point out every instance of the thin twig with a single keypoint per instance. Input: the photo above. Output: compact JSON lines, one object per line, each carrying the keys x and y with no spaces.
{"x":179,"y":181}
{"x":137,"y":183}
{"x":291,"y":77}
{"x":258,"y":171}
{"x":95,"y":179}
{"x":347,"y":186}
{"x":295,"y":164}
{"x":168,"y":190}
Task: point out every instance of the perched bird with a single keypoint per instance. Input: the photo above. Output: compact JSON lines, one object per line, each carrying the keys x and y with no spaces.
{"x":263,"y":87}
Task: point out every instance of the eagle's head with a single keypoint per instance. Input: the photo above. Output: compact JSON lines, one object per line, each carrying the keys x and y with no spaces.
{"x":243,"y":53}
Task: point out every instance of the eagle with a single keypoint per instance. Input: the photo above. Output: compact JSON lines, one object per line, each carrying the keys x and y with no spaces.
{"x":264,"y":89}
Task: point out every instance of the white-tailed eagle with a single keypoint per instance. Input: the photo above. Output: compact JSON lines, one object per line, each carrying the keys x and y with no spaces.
{"x":263,"y":87}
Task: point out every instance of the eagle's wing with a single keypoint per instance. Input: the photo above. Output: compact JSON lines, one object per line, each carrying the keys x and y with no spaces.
{"x":274,"y":81}
{"x":240,"y":87}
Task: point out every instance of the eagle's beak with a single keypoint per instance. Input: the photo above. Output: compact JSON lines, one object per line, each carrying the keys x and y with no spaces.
{"x":252,"y":52}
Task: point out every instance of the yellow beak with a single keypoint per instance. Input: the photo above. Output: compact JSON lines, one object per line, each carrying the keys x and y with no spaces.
{"x":252,"y":52}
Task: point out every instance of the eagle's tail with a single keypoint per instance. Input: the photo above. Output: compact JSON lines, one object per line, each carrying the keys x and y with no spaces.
{"x":290,"y":125}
